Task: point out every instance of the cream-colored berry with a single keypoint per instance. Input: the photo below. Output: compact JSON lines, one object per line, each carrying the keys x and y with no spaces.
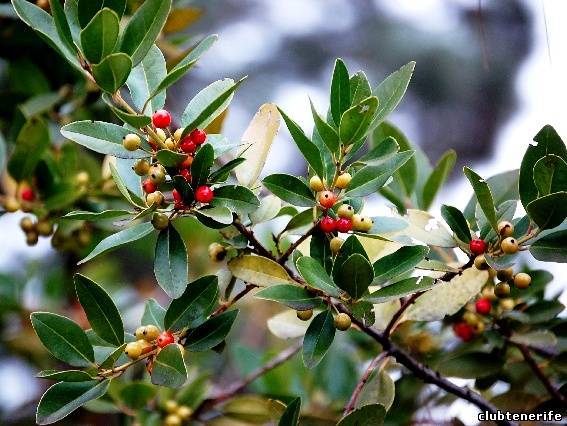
{"x":505,"y":228}
{"x":505,"y":274}
{"x":133,"y":350}
{"x":345,"y":211}
{"x":336,"y":244}
{"x":131,"y":142}
{"x":522,"y":280}
{"x":156,"y":198}
{"x":343,"y":180}
{"x":177,"y":134}
{"x":509,"y":245}
{"x":361,"y":223}
{"x":480,"y":262}
{"x":316,"y":184}
{"x":342,"y":322}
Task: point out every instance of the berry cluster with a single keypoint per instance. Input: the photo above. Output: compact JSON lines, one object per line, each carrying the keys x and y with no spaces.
{"x":176,"y":414}
{"x":342,"y":321}
{"x":34,"y":230}
{"x":148,"y":338}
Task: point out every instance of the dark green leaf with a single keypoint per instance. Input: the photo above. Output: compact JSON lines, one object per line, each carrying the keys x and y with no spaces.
{"x":290,"y":189}
{"x":106,"y":214}
{"x":221,"y":215}
{"x":154,"y":314}
{"x":551,"y":248}
{"x":356,"y":275}
{"x":437,"y":178}
{"x":398,"y":263}
{"x":355,"y":121}
{"x":550,"y":175}
{"x":184,"y":189}
{"x":471,"y":365}
{"x":295,"y":297}
{"x":135,"y":120}
{"x":171,"y":266}
{"x":320,"y":249}
{"x":169,"y":368}
{"x":137,"y":395}
{"x":340,"y":91}
{"x":400,"y":289}
{"x":99,"y":37}
{"x":368,"y":415}
{"x":328,"y":134}
{"x":31,"y":143}
{"x":71,"y":9}
{"x":236,"y":198}
{"x":315,"y":276}
{"x":351,"y":246}
{"x":223,"y":172}
{"x":391,"y":91}
{"x":61,"y":25}
{"x":380,"y":152}
{"x":290,"y":417}
{"x":113,"y":357}
{"x":87,"y":9}
{"x":299,"y":220}
{"x":64,"y":376}
{"x":483,"y":196}
{"x":112,"y":72}
{"x":201,"y":166}
{"x":169,"y":158}
{"x":318,"y":338}
{"x":145,"y":78}
{"x":121,"y":185}
{"x":548,"y":211}
{"x":456,"y":222}
{"x":211,"y":333}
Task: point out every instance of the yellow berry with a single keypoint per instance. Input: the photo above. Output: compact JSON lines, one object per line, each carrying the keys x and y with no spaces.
{"x":177,"y":134}
{"x":145,"y":346}
{"x":470,"y":318}
{"x":150,"y":332}
{"x":160,"y":220}
{"x":345,"y":211}
{"x":480,"y":262}
{"x":156,"y":198}
{"x":343,"y":180}
{"x":171,"y":406}
{"x":502,"y":289}
{"x":316,"y":184}
{"x":139,"y":333}
{"x":131,"y":142}
{"x":507,"y":304}
{"x":82,"y":178}
{"x":478,"y":327}
{"x":217,"y":252}
{"x":184,"y":412}
{"x":169,"y":144}
{"x":522,"y":280}
{"x":488,"y":292}
{"x":157,"y":173}
{"x":44,"y":228}
{"x":141,"y":167}
{"x":336,"y":244}
{"x":505,"y":228}
{"x":305,"y":315}
{"x":11,"y":204}
{"x":27,"y":224}
{"x":361,"y":223}
{"x":133,"y":350}
{"x":173,"y":420}
{"x":505,"y":274}
{"x":161,"y":135}
{"x":509,"y":245}
{"x":32,"y":238}
{"x":342,"y":322}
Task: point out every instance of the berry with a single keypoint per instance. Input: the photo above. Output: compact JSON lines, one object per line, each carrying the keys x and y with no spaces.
{"x":343,"y":180}
{"x":478,"y":327}
{"x":316,"y":184}
{"x":346,"y":211}
{"x":44,"y":228}
{"x":505,"y":228}
{"x":187,"y":145}
{"x":161,"y":118}
{"x":157,"y":173}
{"x":11,"y":204}
{"x":505,"y":274}
{"x":305,"y":315}
{"x":335,"y":245}
{"x":165,"y":338}
{"x":463,"y":331}
{"x":177,"y":134}
{"x":141,"y":167}
{"x":27,"y":224}
{"x":327,"y":199}
{"x":144,"y":345}
{"x":509,"y":245}
{"x":172,"y":420}
{"x":480,"y":262}
{"x":477,"y":246}
{"x":131,"y":142}
{"x":488,"y":293}
{"x":32,"y":238}
{"x":139,"y":333}
{"x":342,"y":322}
{"x":483,"y":306}
{"x":470,"y":318}
{"x":198,"y":136}
{"x":204,"y":194}
{"x":217,"y":252}
{"x":184,"y":412}
{"x":327,"y":224}
{"x":502,"y":289}
{"x":160,"y":221}
{"x":186,"y":174}
{"x":177,"y":197}
{"x":361,"y":223}
{"x":491,"y":273}
{"x":155,"y":198}
{"x":185,"y":164}
{"x":133,"y":350}
{"x":522,"y":280}
{"x":82,"y":178}
{"x":171,"y":406}
{"x":27,"y":194}
{"x":169,"y":144}
{"x":161,"y":136}
{"x":507,"y":304}
{"x":343,"y":225}
{"x":148,"y":186}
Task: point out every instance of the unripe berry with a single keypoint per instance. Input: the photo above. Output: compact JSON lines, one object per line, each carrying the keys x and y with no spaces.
{"x":505,"y":274}
{"x":327,"y":224}
{"x":361,"y":223}
{"x":177,"y":134}
{"x":343,"y":180}
{"x":170,"y":406}
{"x":316,"y":184}
{"x":463,"y":331}
{"x":27,"y":224}
{"x":336,"y":244}
{"x":483,"y":306}
{"x":44,"y":228}
{"x":184,"y":412}
{"x":505,"y":228}
{"x":32,"y":238}
{"x":478,"y":327}
{"x":169,"y":144}
{"x":165,"y":338}
{"x":187,"y":145}
{"x":522,"y":280}
{"x":327,"y":199}
{"x":156,"y":198}
{"x":491,"y":273}
{"x":305,"y":315}
{"x":507,"y":304}
{"x":477,"y":246}
{"x":161,"y":135}
{"x":204,"y":194}
{"x":131,"y":142}
{"x":133,"y":350}
{"x":502,"y":289}
{"x":198,"y":136}
{"x":185,"y":164}
{"x":144,"y":345}
{"x":139,"y":333}
{"x":217,"y":252}
{"x":157,"y":173}
{"x":11,"y":205}
{"x":488,"y":293}
{"x":509,"y":245}
{"x":480,"y":263}
{"x":82,"y":178}
{"x":346,"y":211}
{"x":148,"y":186}
{"x":141,"y":167}
{"x":342,"y":322}
{"x":343,"y":225}
{"x":160,"y":221}
{"x":27,"y":194}
{"x":186,"y":174}
{"x":26,"y":206}
{"x":470,"y":318}
{"x":172,"y":420}
{"x":161,"y":119}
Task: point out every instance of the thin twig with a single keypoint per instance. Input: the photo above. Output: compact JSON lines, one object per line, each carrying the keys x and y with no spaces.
{"x":252,"y":240}
{"x":363,"y":380}
{"x":284,"y":257}
{"x":406,"y":304}
{"x":249,"y":287}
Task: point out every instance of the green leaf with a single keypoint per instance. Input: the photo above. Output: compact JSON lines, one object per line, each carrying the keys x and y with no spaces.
{"x":61,"y":25}
{"x":194,"y":305}
{"x":309,"y":150}
{"x":548,"y":211}
{"x":101,"y":311}
{"x":299,"y":220}
{"x":221,"y":215}
{"x":99,"y":37}
{"x":320,"y":249}
{"x":356,"y":121}
{"x":71,"y":9}
{"x":379,"y":389}
{"x":295,"y":297}
{"x":351,"y":246}
{"x":380,"y":152}
{"x":437,"y":178}
{"x":65,"y":376}
{"x":143,"y":29}
{"x":236,"y":198}
{"x":316,"y":276}
{"x":398,"y":263}
{"x":369,"y":415}
{"x":184,"y":189}
{"x":169,"y":368}
{"x":169,"y":158}
{"x":370,"y":179}
{"x":400,"y":289}
{"x":145,"y":78}
{"x":112,"y":72}
{"x":208,"y":104}
{"x":326,"y":131}
{"x":391,"y":91}
{"x":259,"y":270}
{"x":87,"y":9}
{"x":63,"y":338}
{"x":551,"y":248}
{"x":62,"y":399}
{"x":137,"y":395}
{"x":223,"y":172}
{"x":211,"y":333}
{"x":340,"y":91}
{"x":113,"y":357}
{"x":550,"y":175}
{"x":106,"y":214}
{"x":201,"y":166}
{"x":483,"y":196}
{"x":471,"y":365}
{"x":290,"y":189}
{"x":154,"y":314}
{"x":171,"y":266}
{"x":135,"y":120}
{"x":356,"y":275}
{"x":31,"y":144}
{"x":101,"y":137}
{"x":547,"y":141}
{"x":132,"y":199}
{"x":121,"y":238}
{"x":290,"y":417}
{"x":318,"y":338}
{"x":457,"y":222}
{"x":359,"y":87}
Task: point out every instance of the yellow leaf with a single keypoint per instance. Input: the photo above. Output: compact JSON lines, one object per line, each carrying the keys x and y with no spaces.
{"x":180,"y":19}
{"x":259,"y":270}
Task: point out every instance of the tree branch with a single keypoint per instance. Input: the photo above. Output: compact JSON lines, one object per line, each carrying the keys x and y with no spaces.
{"x":284,"y":257}
{"x":406,"y":304}
{"x":249,"y":287}
{"x":252,"y":240}
{"x":363,"y":380}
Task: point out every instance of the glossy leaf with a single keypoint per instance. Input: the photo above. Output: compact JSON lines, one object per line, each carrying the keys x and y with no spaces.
{"x":113,"y":357}
{"x":327,"y":132}
{"x":437,"y":178}
{"x":221,"y":215}
{"x":295,"y":297}
{"x":400,"y":289}
{"x":65,"y":376}
{"x":290,"y":189}
{"x":171,"y":265}
{"x":318,"y":338}
{"x":290,"y":417}
{"x":550,"y":175}
{"x":223,"y":172}
{"x":259,"y":270}
{"x":270,"y":206}
{"x":61,"y":25}
{"x":99,"y":37}
{"x":369,"y":415}
{"x":548,"y":211}
{"x":483,"y":196}
{"x":457,"y":222}
{"x":31,"y":143}
{"x":87,"y":9}
{"x":169,"y":367}
{"x":391,"y":91}
{"x":398,"y":263}
{"x":169,"y":158}
{"x":236,"y":198}
{"x":95,"y":216}
{"x":359,"y":87}
{"x":340,"y":91}
{"x":551,"y":248}
{"x":121,"y":185}
{"x":145,"y":78}
{"x":356,"y":275}
{"x":154,"y":314}
{"x":112,"y":72}
{"x":355,"y":121}
{"x":135,"y":120}
{"x":211,"y":333}
{"x":314,"y":274}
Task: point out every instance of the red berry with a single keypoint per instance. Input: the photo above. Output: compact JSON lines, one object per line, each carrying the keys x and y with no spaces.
{"x":343,"y":225}
{"x":187,"y":145}
{"x":187,"y":162}
{"x":186,"y":174}
{"x":463,"y":331}
{"x":165,"y":338}
{"x":198,"y":136}
{"x":328,"y":224}
{"x":161,"y":118}
{"x":177,"y":196}
{"x":149,"y":186}
{"x":204,"y":194}
{"x":327,"y":199}
{"x":27,"y":194}
{"x":477,"y":246}
{"x":483,"y":306}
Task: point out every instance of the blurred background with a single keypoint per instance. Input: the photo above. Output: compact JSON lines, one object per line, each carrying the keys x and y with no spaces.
{"x":488,"y":77}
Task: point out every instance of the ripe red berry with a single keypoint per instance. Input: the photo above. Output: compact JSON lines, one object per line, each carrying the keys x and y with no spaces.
{"x":198,"y":136}
{"x":463,"y":331}
{"x":328,"y":224}
{"x":148,"y":186}
{"x":483,"y":306}
{"x":27,"y":194}
{"x":161,"y":118}
{"x":177,"y":196}
{"x":477,"y":246}
{"x":187,"y":145}
{"x":343,"y":225}
{"x":204,"y":194}
{"x":327,"y":199}
{"x":186,"y":174}
{"x":165,"y":339}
